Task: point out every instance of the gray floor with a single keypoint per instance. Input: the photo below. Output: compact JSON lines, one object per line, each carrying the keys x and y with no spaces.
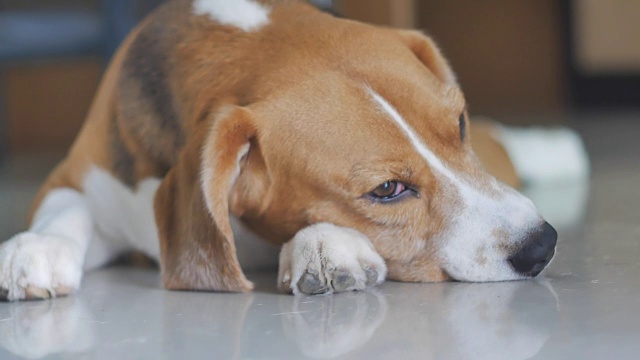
{"x":585,"y":306}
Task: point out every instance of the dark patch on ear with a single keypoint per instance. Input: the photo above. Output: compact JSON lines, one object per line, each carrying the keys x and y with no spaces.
{"x":123,"y":162}
{"x":463,"y":126}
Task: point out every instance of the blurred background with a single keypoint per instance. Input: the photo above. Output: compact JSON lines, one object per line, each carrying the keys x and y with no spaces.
{"x":521,"y":62}
{"x":531,"y":61}
{"x":526,"y":61}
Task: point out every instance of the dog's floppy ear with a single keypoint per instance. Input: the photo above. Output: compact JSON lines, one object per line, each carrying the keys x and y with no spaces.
{"x":428,"y":53}
{"x":192,"y":207}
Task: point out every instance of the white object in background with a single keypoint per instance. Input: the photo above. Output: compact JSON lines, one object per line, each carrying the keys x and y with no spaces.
{"x":545,"y":155}
{"x":553,"y":165}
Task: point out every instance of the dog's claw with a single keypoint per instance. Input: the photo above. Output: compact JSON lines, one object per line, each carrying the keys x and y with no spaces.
{"x":342,"y":280}
{"x":285,"y":283}
{"x":372,"y":275}
{"x":34,"y":293}
{"x":311,"y":284}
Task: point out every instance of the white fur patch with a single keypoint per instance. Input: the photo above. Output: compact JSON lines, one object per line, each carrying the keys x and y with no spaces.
{"x":49,"y":257}
{"x":247,"y":15}
{"x":123,"y":218}
{"x":470,"y":249}
{"x":420,"y":147}
{"x":323,"y":248}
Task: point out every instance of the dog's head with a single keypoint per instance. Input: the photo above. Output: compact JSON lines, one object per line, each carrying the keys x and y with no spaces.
{"x":374,"y":135}
{"x":366,"y":128}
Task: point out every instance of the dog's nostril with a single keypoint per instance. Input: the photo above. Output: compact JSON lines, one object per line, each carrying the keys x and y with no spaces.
{"x":537,"y":252}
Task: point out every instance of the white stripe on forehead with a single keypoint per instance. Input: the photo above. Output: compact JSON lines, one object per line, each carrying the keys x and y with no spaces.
{"x":247,"y":15}
{"x":472,"y":223}
{"x":418,"y":144}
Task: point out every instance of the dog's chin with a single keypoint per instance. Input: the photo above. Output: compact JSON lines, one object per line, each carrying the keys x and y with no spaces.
{"x":517,"y":277}
{"x":500,"y":271}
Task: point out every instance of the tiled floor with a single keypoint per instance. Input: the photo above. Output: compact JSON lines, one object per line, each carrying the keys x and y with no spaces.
{"x":586,"y":306}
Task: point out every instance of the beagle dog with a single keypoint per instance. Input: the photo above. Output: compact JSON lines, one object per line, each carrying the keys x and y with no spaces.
{"x":220,"y":122}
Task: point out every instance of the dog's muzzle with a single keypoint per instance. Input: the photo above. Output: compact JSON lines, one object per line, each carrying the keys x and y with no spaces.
{"x":536,"y":253}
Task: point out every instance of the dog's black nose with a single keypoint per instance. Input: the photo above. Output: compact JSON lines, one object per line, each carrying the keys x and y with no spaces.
{"x":537,"y":251}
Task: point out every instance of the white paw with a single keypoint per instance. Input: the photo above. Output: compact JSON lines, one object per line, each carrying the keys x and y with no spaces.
{"x":324,"y":258}
{"x":34,"y":266}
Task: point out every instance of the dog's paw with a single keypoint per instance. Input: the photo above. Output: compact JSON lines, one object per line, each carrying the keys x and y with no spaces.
{"x":34,"y":266}
{"x":324,"y":258}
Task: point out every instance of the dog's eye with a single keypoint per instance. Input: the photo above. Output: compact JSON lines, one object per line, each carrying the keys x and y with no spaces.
{"x":463,"y":126}
{"x":388,"y":190}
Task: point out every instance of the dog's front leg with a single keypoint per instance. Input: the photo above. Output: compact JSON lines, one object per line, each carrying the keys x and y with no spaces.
{"x":47,"y":260}
{"x":325,"y":258}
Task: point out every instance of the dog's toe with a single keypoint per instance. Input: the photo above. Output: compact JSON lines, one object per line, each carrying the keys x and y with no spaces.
{"x":342,"y":280}
{"x":35,"y":293}
{"x":372,"y":275}
{"x":311,"y":284}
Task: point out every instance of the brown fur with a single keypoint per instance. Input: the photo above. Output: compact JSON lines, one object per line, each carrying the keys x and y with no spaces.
{"x":294,"y":91}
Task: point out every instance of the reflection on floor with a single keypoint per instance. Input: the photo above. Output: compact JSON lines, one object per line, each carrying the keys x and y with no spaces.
{"x":585,"y":306}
